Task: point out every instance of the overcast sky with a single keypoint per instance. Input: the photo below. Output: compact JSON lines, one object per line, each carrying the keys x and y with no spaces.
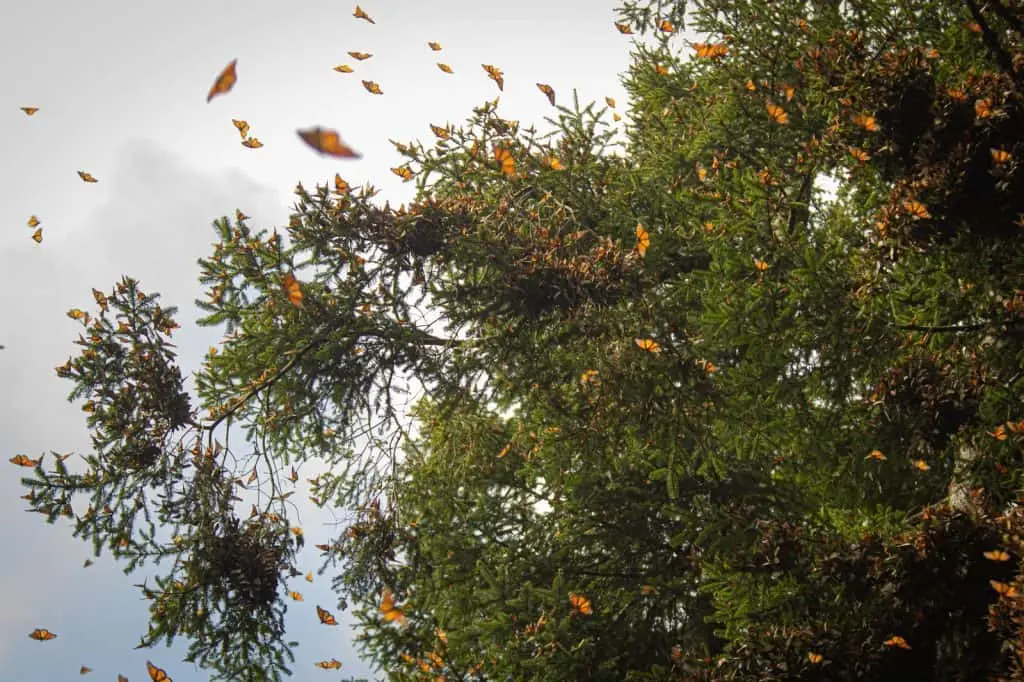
{"x":121,"y":89}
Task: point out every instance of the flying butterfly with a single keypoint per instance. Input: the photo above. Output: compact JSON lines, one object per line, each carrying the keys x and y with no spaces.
{"x":252,"y":143}
{"x":921,"y":465}
{"x":327,"y":142}
{"x":84,"y":670}
{"x":444,"y":67}
{"x":33,"y":221}
{"x":403,"y":172}
{"x":23,"y":461}
{"x":666,"y":26}
{"x":814,"y":658}
{"x":30,"y":111}
{"x":649,"y":345}
{"x":360,"y":55}
{"x":309,"y":576}
{"x":436,"y":47}
{"x":360,"y":14}
{"x":548,"y":91}
{"x":372,"y":87}
{"x":242,"y":126}
{"x":624,"y":29}
{"x":495,"y":74}
{"x":86,"y":177}
{"x":225,"y":81}
{"x":866,"y":121}
{"x":325,"y":616}
{"x":996,"y":555}
{"x":643,"y":240}
{"x":610,"y":101}
{"x":343,"y":68}
{"x":292,"y":289}
{"x":897,"y":641}
{"x":580,"y":604}
{"x":876,"y":454}
{"x":1000,"y":156}
{"x":239,"y":216}
{"x":121,"y":678}
{"x":42,"y":635}
{"x":332,"y":664}
{"x":157,"y":674}
{"x":389,"y":610}
{"x":777,"y":113}
{"x":440,"y":132}
{"x":341,"y":186}
{"x":297,"y":596}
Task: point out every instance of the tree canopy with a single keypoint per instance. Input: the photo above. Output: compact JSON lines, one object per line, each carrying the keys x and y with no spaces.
{"x":738,"y":398}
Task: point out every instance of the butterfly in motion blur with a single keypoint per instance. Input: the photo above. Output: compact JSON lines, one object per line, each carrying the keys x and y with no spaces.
{"x":332,"y":664}
{"x":86,"y":177}
{"x":548,"y":91}
{"x":225,"y":81}
{"x":436,"y":47}
{"x":42,"y":635}
{"x":325,"y":616}
{"x":30,"y":111}
{"x":444,"y":67}
{"x":360,"y":14}
{"x":495,"y":74}
{"x":157,"y":674}
{"x":372,"y":87}
{"x":23,"y":461}
{"x":360,"y":55}
{"x":580,"y":604}
{"x":327,"y":142}
{"x":389,"y":610}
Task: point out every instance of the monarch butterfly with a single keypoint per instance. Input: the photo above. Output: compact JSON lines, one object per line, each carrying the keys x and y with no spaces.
{"x":643,"y":240}
{"x":444,"y":67}
{"x":666,"y":26}
{"x":866,"y":121}
{"x":293,"y":476}
{"x":495,"y":74}
{"x":86,"y":177}
{"x":23,"y":461}
{"x":760,"y":265}
{"x":243,"y":127}
{"x":436,"y":47}
{"x":999,"y":433}
{"x":323,"y":548}
{"x":897,"y":641}
{"x":749,"y":85}
{"x":340,"y":185}
{"x":292,"y":289}
{"x":309,"y":576}
{"x":996,"y":555}
{"x":983,"y":108}
{"x":360,"y":14}
{"x":326,"y":617}
{"x":505,"y":158}
{"x":33,"y":221}
{"x":84,"y":670}
{"x":859,"y":154}
{"x":30,"y":111}
{"x":999,"y":156}
{"x":710,"y":50}
{"x":1003,"y":589}
{"x":225,"y":81}
{"x":42,"y":635}
{"x":788,"y":91}
{"x":360,"y":55}
{"x":624,"y":29}
{"x":610,"y":101}
{"x":440,"y":132}
{"x":252,"y":143}
{"x":297,"y":596}
{"x":876,"y":454}
{"x":649,"y":345}
{"x":403,"y":172}
{"x":616,"y":117}
{"x":777,"y":113}
{"x":37,"y":236}
{"x":580,"y":604}
{"x":389,"y":610}
{"x":814,"y":657}
{"x":957,"y":95}
{"x":916,"y":209}
{"x":296,"y":531}
{"x":327,"y":142}
{"x":239,"y":216}
{"x":548,"y":91}
{"x":553,"y":163}
{"x":332,"y":664}
{"x":343,"y":68}
{"x":157,"y":674}
{"x":921,"y":465}
{"x":372,"y":87}
{"x":121,"y":678}
{"x":661,"y":69}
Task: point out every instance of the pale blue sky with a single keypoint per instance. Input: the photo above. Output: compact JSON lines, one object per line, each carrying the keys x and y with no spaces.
{"x":122,"y":88}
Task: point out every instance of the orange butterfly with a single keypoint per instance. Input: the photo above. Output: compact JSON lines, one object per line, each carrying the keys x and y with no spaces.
{"x":121,"y":678}
{"x":389,"y":610}
{"x":749,"y":85}
{"x":340,"y":185}
{"x":548,"y":91}
{"x":444,"y":67}
{"x":436,"y":47}
{"x":360,"y":55}
{"x":243,"y":127}
{"x":760,"y":265}
{"x":553,"y":163}
{"x":957,"y":95}
{"x":30,"y":111}
{"x":252,"y":143}
{"x":332,"y":664}
{"x":983,"y":108}
{"x":239,"y":216}
{"x":297,"y":596}
{"x":360,"y":14}
{"x":1003,"y":589}
{"x":897,"y":641}
{"x":23,"y":461}
{"x":666,"y":26}
{"x":916,"y":209}
{"x":372,"y":87}
{"x":866,"y":121}
{"x":37,"y":236}
{"x":327,"y":142}
{"x":293,"y":290}
{"x":293,"y":476}
{"x":403,"y":172}
{"x":610,"y":101}
{"x":624,"y":29}
{"x":157,"y":674}
{"x":788,"y":91}
{"x":84,"y":670}
{"x":643,"y":240}
{"x":42,"y":635}
{"x":225,"y":81}
{"x":508,"y":163}
{"x":580,"y":604}
{"x":495,"y":74}
{"x":33,"y":221}
{"x":996,"y":555}
{"x":325,"y":616}
{"x":343,"y":68}
{"x":921,"y":465}
{"x":616,"y":117}
{"x":86,"y":177}
{"x":440,"y":132}
{"x":999,"y":156}
{"x":710,"y":50}
{"x":814,"y":657}
{"x":309,"y":576}
{"x":876,"y":454}
{"x":777,"y":113}
{"x":649,"y":345}
{"x":859,"y":154}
